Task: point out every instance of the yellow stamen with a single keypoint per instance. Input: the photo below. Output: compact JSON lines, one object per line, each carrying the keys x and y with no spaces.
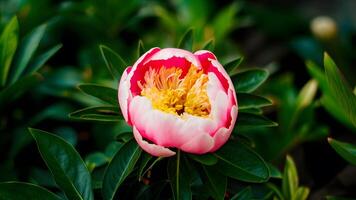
{"x":170,"y":93}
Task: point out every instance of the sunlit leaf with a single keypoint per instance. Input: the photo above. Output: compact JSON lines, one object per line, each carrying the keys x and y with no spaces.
{"x":290,"y":179}
{"x":66,"y":165}
{"x":345,"y":150}
{"x":340,"y":89}
{"x":140,"y":49}
{"x":8,"y":45}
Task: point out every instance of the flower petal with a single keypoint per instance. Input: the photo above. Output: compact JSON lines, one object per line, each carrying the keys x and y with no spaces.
{"x":152,"y":149}
{"x":223,"y":134}
{"x":124,"y":94}
{"x":200,"y":144}
{"x":167,"y":53}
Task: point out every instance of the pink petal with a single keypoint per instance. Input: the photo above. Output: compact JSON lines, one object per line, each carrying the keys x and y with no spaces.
{"x":223,"y":134}
{"x":168,"y":53}
{"x":124,"y":94}
{"x":152,"y":149}
{"x":199,"y":144}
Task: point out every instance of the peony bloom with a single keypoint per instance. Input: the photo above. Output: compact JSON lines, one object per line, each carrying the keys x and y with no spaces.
{"x":176,"y":99}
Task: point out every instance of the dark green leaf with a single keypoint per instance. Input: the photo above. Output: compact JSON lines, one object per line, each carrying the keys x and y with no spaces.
{"x":15,"y":90}
{"x":244,"y":194}
{"x":39,"y":61}
{"x":209,"y":45}
{"x":96,"y":159}
{"x":145,"y":159}
{"x":119,"y":168}
{"x":8,"y":45}
{"x":26,"y":50}
{"x":179,"y":178}
{"x":215,"y":182}
{"x":246,"y":101}
{"x":240,"y":162}
{"x":140,"y":49}
{"x":252,"y":121}
{"x":290,"y":179}
{"x":20,"y":191}
{"x":186,"y":42}
{"x":113,"y":61}
{"x":340,"y":89}
{"x":231,"y":66}
{"x":274,"y":171}
{"x":338,"y":198}
{"x":345,"y":150}
{"x":151,"y":166}
{"x":225,"y":21}
{"x":97,"y":113}
{"x":205,"y":159}
{"x":103,"y":93}
{"x":66,"y":165}
{"x":249,"y":80}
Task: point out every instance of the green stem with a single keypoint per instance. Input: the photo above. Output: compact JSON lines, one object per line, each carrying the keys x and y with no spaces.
{"x":177,"y":173}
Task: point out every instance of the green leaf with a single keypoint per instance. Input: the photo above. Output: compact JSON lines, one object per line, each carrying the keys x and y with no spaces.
{"x":20,"y":191}
{"x":338,"y":198}
{"x":209,"y":45}
{"x":231,"y":66}
{"x":302,"y":193}
{"x":250,"y":120}
{"x":247,"y":101}
{"x":186,"y":42}
{"x":119,"y":168}
{"x":179,"y":178}
{"x":26,"y":50}
{"x":39,"y":61}
{"x":96,"y":159}
{"x":205,"y":159}
{"x":274,"y":171}
{"x":113,"y":61}
{"x":8,"y":45}
{"x":249,"y":80}
{"x":103,"y":93}
{"x":17,"y":89}
{"x":345,"y":150}
{"x":98,"y":113}
{"x":140,"y":49}
{"x":244,"y":194}
{"x":247,"y":166}
{"x":340,"y":89}
{"x":290,"y":179}
{"x":66,"y":165}
{"x":145,"y":159}
{"x":215,"y":182}
{"x":306,"y":94}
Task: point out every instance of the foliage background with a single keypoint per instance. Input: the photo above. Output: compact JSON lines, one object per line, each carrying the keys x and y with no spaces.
{"x":274,"y":35}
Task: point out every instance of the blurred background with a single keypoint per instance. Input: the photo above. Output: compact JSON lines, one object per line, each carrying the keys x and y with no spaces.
{"x":280,"y":36}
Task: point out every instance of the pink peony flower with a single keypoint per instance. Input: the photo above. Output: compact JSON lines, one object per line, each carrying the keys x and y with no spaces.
{"x":176,"y":99}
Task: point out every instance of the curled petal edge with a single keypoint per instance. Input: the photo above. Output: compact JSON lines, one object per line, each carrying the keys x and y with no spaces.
{"x":152,"y":149}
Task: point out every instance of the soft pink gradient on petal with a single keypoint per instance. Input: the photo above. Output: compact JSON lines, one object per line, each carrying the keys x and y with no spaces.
{"x":199,"y":144}
{"x":223,"y":134}
{"x":189,"y":133}
{"x":124,"y":94}
{"x":152,"y":149}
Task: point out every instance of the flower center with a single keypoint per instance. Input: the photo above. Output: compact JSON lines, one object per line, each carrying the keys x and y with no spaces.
{"x":170,"y":93}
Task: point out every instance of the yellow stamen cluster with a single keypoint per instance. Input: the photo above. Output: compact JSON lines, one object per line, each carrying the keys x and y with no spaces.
{"x":170,"y":93}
